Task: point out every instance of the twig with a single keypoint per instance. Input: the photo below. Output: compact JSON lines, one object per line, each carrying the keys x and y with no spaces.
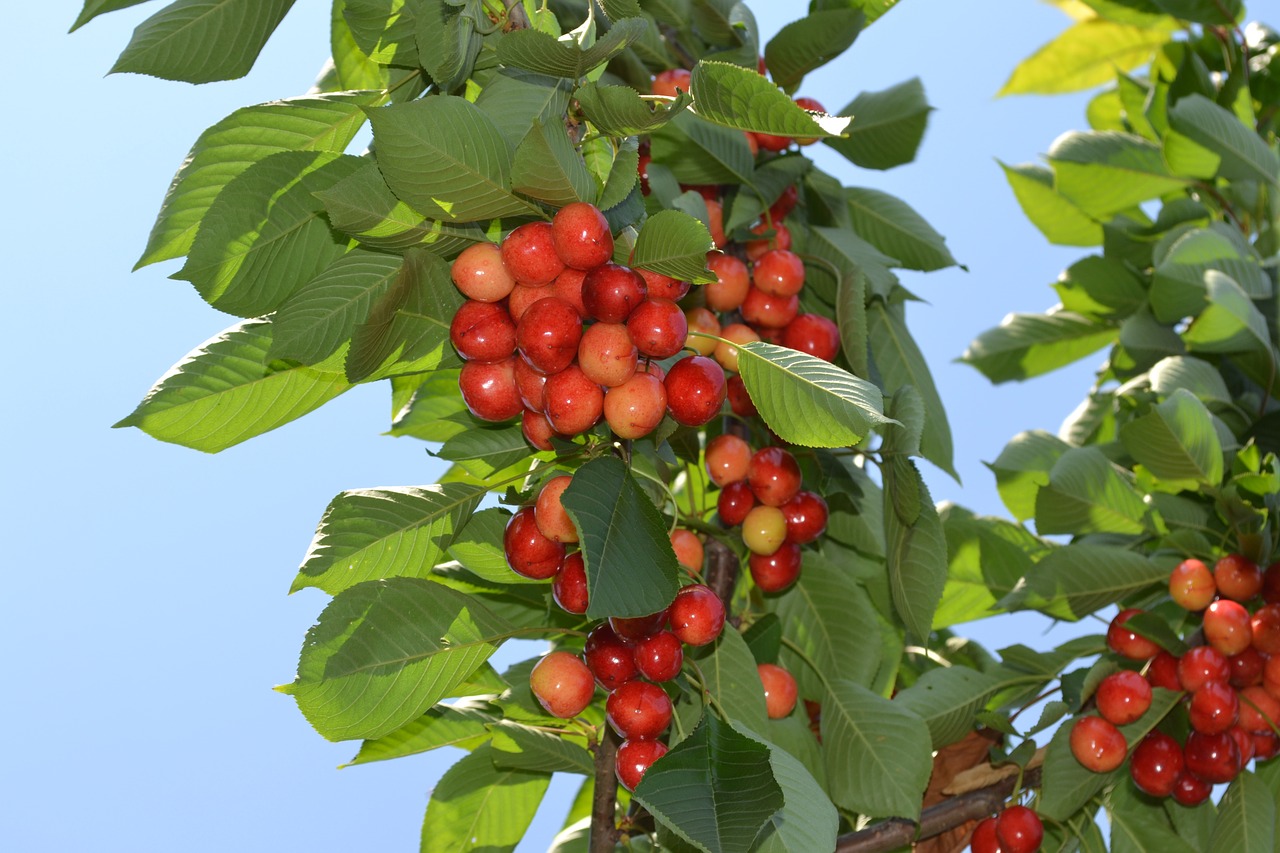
{"x":604,"y":797}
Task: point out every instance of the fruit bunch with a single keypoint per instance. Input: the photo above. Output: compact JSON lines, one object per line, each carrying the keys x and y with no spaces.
{"x":1017,"y":829}
{"x":1231,"y":684}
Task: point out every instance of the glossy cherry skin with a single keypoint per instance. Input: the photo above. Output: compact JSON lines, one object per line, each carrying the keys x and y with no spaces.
{"x":701,"y":322}
{"x":1097,"y":745}
{"x":610,"y":659}
{"x":1123,"y":697}
{"x":734,"y":334}
{"x":638,"y":710}
{"x":695,"y":390}
{"x":658,"y":327}
{"x":531,"y":384}
{"x":779,"y":272}
{"x":1265,"y":629}
{"x":1190,"y":790}
{"x":739,"y":400}
{"x":1127,"y":643}
{"x":479,"y":273}
{"x":813,"y":105}
{"x":1259,"y":710}
{"x":1214,"y":708}
{"x":1271,"y":584}
{"x":562,"y":684}
{"x":1201,"y":665}
{"x":777,"y":571}
{"x":1191,"y":585}
{"x":573,"y":402}
{"x":1237,"y":577}
{"x":806,"y":515}
{"x":774,"y":476}
{"x":732,"y":282}
{"x":735,"y":501}
{"x":784,"y":204}
{"x":636,"y":407}
{"x":568,"y":286}
{"x":659,"y":656}
{"x":529,"y":254}
{"x":813,"y":334}
{"x":611,"y":292}
{"x":548,"y":334}
{"x":984,"y":838}
{"x":1246,"y":668}
{"x":1156,"y":764}
{"x":581,"y":236}
{"x":689,"y":549}
{"x":764,"y":529}
{"x":780,"y":690}
{"x":1266,"y":745}
{"x":569,"y":586}
{"x":765,"y":309}
{"x":1227,"y":628}
{"x":1019,"y":830}
{"x":779,"y":237}
{"x":483,"y":331}
{"x":634,"y":759}
{"x":696,"y":616}
{"x":528,"y":552}
{"x":553,"y":521}
{"x":727,"y":458}
{"x":489,"y":389}
{"x":1215,"y":758}
{"x":607,"y":355}
{"x":633,"y":629}
{"x":664,"y":286}
{"x":1163,"y":671}
{"x":536,"y":429}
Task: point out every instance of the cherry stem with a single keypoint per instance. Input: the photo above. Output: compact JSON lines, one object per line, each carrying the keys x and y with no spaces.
{"x":604,"y":796}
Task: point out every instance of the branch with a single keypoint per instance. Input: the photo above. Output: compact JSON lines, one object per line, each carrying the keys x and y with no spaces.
{"x":935,"y":820}
{"x":604,"y":795}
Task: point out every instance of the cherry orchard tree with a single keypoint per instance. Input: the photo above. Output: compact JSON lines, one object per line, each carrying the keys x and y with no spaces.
{"x":668,"y":360}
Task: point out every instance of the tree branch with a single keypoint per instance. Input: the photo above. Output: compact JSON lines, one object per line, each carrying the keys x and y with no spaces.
{"x":935,"y":820}
{"x":604,"y":795}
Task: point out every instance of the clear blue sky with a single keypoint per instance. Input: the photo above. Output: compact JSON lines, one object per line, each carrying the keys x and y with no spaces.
{"x":145,"y":584}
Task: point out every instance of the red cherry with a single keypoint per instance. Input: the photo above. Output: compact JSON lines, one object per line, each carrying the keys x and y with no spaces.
{"x":633,"y":629}
{"x":784,"y":204}
{"x":1127,"y":643}
{"x":780,"y":690}
{"x":523,"y":295}
{"x":1237,"y":577}
{"x":489,"y":389}
{"x":779,"y":272}
{"x":1190,"y":790}
{"x":610,"y":292}
{"x":664,"y":286}
{"x":774,"y":476}
{"x":479,"y":273}
{"x":638,"y":710}
{"x":1097,"y":745}
{"x":1244,"y":740}
{"x":1227,"y":628}
{"x":728,"y":458}
{"x":636,"y":407}
{"x":529,"y":254}
{"x":814,"y":106}
{"x":569,"y":586}
{"x":735,"y":501}
{"x":548,"y":334}
{"x":701,"y":320}
{"x":984,"y":838}
{"x":483,"y":331}
{"x":1266,"y":745}
{"x":1214,"y":708}
{"x":769,"y":142}
{"x":1156,"y":763}
{"x":553,"y":521}
{"x":688,"y":548}
{"x":764,"y":309}
{"x":658,"y":327}
{"x":581,"y":236}
{"x":739,"y":399}
{"x":731,"y":285}
{"x":1019,"y":830}
{"x":777,"y":571}
{"x":696,"y":615}
{"x":1265,"y":629}
{"x":779,"y":238}
{"x":531,"y":385}
{"x":568,"y":286}
{"x":735,"y":335}
{"x":528,"y":552}
{"x":607,"y":355}
{"x":573,"y":402}
{"x":562,"y":684}
{"x":670,"y":81}
{"x":608,"y":657}
{"x":1201,"y":665}
{"x":1191,"y":585}
{"x":1246,"y":668}
{"x":715,"y":222}
{"x":806,"y":515}
{"x":659,"y":656}
{"x":1163,"y":671}
{"x":537,"y":429}
{"x":812,"y":334}
{"x":1259,"y":710}
{"x":1271,"y":584}
{"x":695,"y":390}
{"x":635,"y":757}
{"x":1123,"y":697}
{"x":1215,"y":758}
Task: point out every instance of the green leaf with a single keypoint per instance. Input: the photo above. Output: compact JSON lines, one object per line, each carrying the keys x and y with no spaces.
{"x":715,"y":788}
{"x":620,"y":111}
{"x":1246,"y":817}
{"x":199,"y":41}
{"x":495,"y":447}
{"x":385,"y":651}
{"x":479,"y":806}
{"x":1023,"y":467}
{"x":1027,"y":345}
{"x":1059,"y":219}
{"x":740,"y":98}
{"x":544,"y":54}
{"x":623,"y":176}
{"x":352,"y":68}
{"x":384,"y":29}
{"x":987,"y":558}
{"x":877,"y":752}
{"x":226,"y":391}
{"x":447,"y":43}
{"x":514,"y":100}
{"x":631,"y":568}
{"x":1087,"y":494}
{"x":1075,"y":580}
{"x":915,"y":549}
{"x":1230,"y":323}
{"x":446,"y":158}
{"x":1216,"y":12}
{"x":1191,"y":374}
{"x":1100,"y":286}
{"x":890,"y":225}
{"x":1086,"y":54}
{"x":729,"y":674}
{"x":1178,"y":289}
{"x":947,"y":699}
{"x":806,"y":400}
{"x":478,"y":547}
{"x":674,"y":243}
{"x":699,"y":152}
{"x":873,"y":9}
{"x":94,"y":8}
{"x":547,"y":167}
{"x":367,"y":534}
{"x":809,"y":43}
{"x":517,"y":746}
{"x":1104,"y":172}
{"x":887,"y":126}
{"x":1139,"y":825}
{"x":807,"y":820}
{"x":850,"y":254}
{"x":265,"y":235}
{"x":619,"y":9}
{"x":462,"y":724}
{"x":1176,"y":440}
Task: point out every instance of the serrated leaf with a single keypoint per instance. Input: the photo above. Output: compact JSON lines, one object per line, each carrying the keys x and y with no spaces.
{"x":1087,"y":494}
{"x":1178,"y":288}
{"x":521,"y":747}
{"x":515,"y":99}
{"x":463,"y":724}
{"x":547,"y":167}
{"x":806,"y":400}
{"x":729,"y":674}
{"x":1230,"y":322}
{"x":367,"y":534}
{"x":199,"y":41}
{"x":1246,"y":817}
{"x":1139,"y":825}
{"x":1245,"y":155}
{"x":1060,"y":220}
{"x":699,"y":152}
{"x":1077,"y":579}
{"x":384,"y":29}
{"x":545,"y":54}
{"x":715,"y":788}
{"x":1191,"y":374}
{"x":1104,"y":172}
{"x":986,"y":559}
{"x":810,"y":43}
{"x":446,"y":158}
{"x":915,"y":550}
{"x":896,"y":229}
{"x":887,"y":126}
{"x":447,"y":43}
{"x":1176,"y":440}
{"x":94,"y":8}
{"x":623,"y":176}
{"x":620,"y":111}
{"x":877,"y":752}
{"x":265,"y":236}
{"x":1027,"y":345}
{"x":674,"y":243}
{"x":807,"y":820}
{"x":384,"y":651}
{"x":497,"y":447}
{"x":947,"y":699}
{"x":479,"y":806}
{"x":227,"y":390}
{"x":740,"y":98}
{"x":1086,"y":54}
{"x":631,"y":568}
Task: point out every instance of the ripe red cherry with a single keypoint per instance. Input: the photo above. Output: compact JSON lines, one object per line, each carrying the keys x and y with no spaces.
{"x":1127,"y":643}
{"x":984,"y":838}
{"x":1214,"y":708}
{"x":812,"y":334}
{"x":1097,"y":745}
{"x":1271,"y":584}
{"x":670,"y":81}
{"x":739,"y":400}
{"x":1123,"y":697}
{"x":607,"y":355}
{"x":638,"y":710}
{"x":728,"y":458}
{"x":569,"y":586}
{"x":1266,"y":745}
{"x":764,"y":309}
{"x":531,"y":384}
{"x":528,"y":552}
{"x":573,"y":402}
{"x":813,"y":105}
{"x":1259,"y":710}
{"x":777,"y":571}
{"x":688,"y":548}
{"x":1265,"y":628}
{"x":658,"y":327}
{"x":659,"y":656}
{"x":662,"y":286}
{"x":736,"y":334}
{"x":1244,"y":740}
{"x":483,"y":331}
{"x":780,"y":690}
{"x":581,"y":236}
{"x":522,"y":296}
{"x":548,"y":334}
{"x":774,"y":476}
{"x":633,"y":629}
{"x":779,"y":272}
{"x":701,"y":320}
{"x":779,"y":238}
{"x":537,"y":429}
{"x":1156,"y":764}
{"x":1215,"y":758}
{"x":770,"y":142}
{"x":806,"y":515}
{"x":1163,"y":671}
{"x":489,"y":389}
{"x":553,"y":521}
{"x":696,"y":615}
{"x":529,"y":254}
{"x":562,"y":684}
{"x":1201,"y":665}
{"x":635,"y":757}
{"x":1190,"y":790}
{"x":1246,"y":668}
{"x":1191,"y":585}
{"x":1237,"y":577}
{"x":715,"y":222}
{"x":1227,"y":628}
{"x":610,"y":292}
{"x":1019,"y":830}
{"x":731,"y":285}
{"x":735,"y":502}
{"x":695,"y":390}
{"x":608,"y":657}
{"x":568,"y":286}
{"x":479,"y":273}
{"x":636,"y":407}
{"x":784,"y":204}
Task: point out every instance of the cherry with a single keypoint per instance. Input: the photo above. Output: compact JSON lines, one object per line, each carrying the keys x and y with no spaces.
{"x":1127,"y":643}
{"x":581,"y":235}
{"x":770,"y":142}
{"x":774,"y":476}
{"x":812,"y":334}
{"x":731,"y":285}
{"x":1163,"y":671}
{"x":1266,"y":745}
{"x":664,"y":286}
{"x":529,"y":254}
{"x":569,"y":586}
{"x":659,"y":656}
{"x":806,"y":515}
{"x":1246,"y":668}
{"x":726,"y":354}
{"x":728,"y":458}
{"x":562,"y":684}
{"x":611,"y":291}
{"x":1237,"y":577}
{"x":779,"y":272}
{"x":700,"y":319}
{"x":1191,"y":585}
{"x":635,"y":757}
{"x":1271,"y":584}
{"x":548,"y":334}
{"x":688,"y":548}
{"x":764,"y":529}
{"x":607,"y":354}
{"x":739,"y":399}
{"x":1259,"y":710}
{"x":984,"y":838}
{"x":1265,"y":628}
{"x":1190,"y":790}
{"x":574,"y":402}
{"x":531,"y":385}
{"x":813,"y":105}
{"x":608,"y":657}
{"x":1156,"y":763}
{"x":1019,"y":830}
{"x":489,"y":389}
{"x":670,"y":81}
{"x":764,"y":309}
{"x":1097,"y":745}
{"x":1271,"y":676}
{"x":549,"y":513}
{"x":1244,"y":741}
{"x":735,"y":502}
{"x":780,"y":238}
{"x":784,"y":204}
{"x":483,"y":331}
{"x":642,"y":169}
{"x":479,"y":273}
{"x":658,"y":327}
{"x":528,"y":552}
{"x":633,"y":629}
{"x":715,"y":222}
{"x":1215,"y":758}
{"x":780,"y":690}
{"x":696,"y":615}
{"x":536,"y":428}
{"x":636,"y":407}
{"x":1227,"y":628}
{"x":522,"y":296}
{"x":638,"y":710}
{"x":568,"y":286}
{"x":777,"y":571}
{"x":695,"y":390}
{"x":1214,"y":708}
{"x":1201,"y":665}
{"x":1123,"y":697}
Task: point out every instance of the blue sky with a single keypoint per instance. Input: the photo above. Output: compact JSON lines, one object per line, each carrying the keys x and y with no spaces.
{"x":146,"y":583}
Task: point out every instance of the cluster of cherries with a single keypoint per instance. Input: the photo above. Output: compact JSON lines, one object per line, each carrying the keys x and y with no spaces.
{"x":1016,"y":829}
{"x":554,"y":331}
{"x":1231,"y":682}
